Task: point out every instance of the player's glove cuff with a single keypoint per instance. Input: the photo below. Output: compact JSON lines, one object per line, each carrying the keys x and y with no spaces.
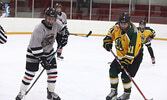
{"x":107,"y":43}
{"x":125,"y":62}
{"x":45,"y":64}
{"x":64,"y":40}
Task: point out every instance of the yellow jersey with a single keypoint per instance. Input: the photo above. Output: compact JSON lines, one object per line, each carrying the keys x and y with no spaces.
{"x":148,"y":32}
{"x":128,"y":44}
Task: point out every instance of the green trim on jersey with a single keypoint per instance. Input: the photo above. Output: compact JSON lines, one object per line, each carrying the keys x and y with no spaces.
{"x":132,"y":45}
{"x":150,"y":29}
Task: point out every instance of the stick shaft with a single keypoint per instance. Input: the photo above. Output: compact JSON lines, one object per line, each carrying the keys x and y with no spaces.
{"x":90,"y":32}
{"x":129,"y":76}
{"x":42,"y":71}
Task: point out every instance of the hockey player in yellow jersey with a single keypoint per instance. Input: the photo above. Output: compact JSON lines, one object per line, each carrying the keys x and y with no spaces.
{"x":129,"y":51}
{"x":147,"y":34}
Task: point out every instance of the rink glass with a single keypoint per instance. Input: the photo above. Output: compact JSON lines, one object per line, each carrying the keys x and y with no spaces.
{"x":152,"y":11}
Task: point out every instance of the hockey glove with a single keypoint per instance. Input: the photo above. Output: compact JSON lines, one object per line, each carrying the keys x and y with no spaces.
{"x":107,"y":43}
{"x":148,"y":39}
{"x":64,"y":40}
{"x":67,"y":32}
{"x":45,"y":64}
{"x":125,"y":63}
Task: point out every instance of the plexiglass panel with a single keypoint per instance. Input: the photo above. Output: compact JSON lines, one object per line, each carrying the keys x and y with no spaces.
{"x":158,"y":12}
{"x":23,"y":8}
{"x":153,"y":11}
{"x":100,"y":10}
{"x":10,"y":8}
{"x":139,"y":10}
{"x":117,"y":7}
{"x":80,"y":9}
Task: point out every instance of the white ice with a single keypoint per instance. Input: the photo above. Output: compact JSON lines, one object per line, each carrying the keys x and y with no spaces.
{"x":83,"y":75}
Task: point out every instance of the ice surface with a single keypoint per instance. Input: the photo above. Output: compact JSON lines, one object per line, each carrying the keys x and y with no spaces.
{"x":83,"y":75}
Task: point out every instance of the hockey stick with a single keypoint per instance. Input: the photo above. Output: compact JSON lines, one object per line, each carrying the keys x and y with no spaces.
{"x":42,"y":70}
{"x":130,"y":76}
{"x":90,"y":32}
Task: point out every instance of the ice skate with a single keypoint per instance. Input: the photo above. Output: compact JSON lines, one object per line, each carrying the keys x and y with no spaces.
{"x":112,"y":95}
{"x":52,"y":95}
{"x":153,"y":60}
{"x":60,"y":57}
{"x":124,"y":96}
{"x":20,"y":96}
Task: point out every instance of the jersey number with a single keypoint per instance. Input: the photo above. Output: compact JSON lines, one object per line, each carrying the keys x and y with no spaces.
{"x":130,"y":49}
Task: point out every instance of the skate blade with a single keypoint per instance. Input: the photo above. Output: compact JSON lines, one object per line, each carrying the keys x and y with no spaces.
{"x":121,"y":99}
{"x":59,"y":59}
{"x":109,"y":62}
{"x":54,"y":99}
{"x":114,"y":98}
{"x":153,"y":63}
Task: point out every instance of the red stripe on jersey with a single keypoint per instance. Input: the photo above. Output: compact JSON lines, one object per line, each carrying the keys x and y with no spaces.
{"x":52,"y":76}
{"x":27,"y":78}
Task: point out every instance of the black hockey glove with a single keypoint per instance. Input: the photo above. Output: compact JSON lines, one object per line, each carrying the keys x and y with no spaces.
{"x":148,"y":39}
{"x":125,"y":63}
{"x":64,"y":40}
{"x":67,"y":32}
{"x":45,"y":64}
{"x":107,"y":43}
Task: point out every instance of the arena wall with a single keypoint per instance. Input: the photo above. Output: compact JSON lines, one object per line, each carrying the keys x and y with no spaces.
{"x":98,"y":28}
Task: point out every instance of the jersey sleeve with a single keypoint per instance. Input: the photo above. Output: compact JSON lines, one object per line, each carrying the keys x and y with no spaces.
{"x":60,"y":27}
{"x":36,"y":42}
{"x":65,"y":18}
{"x":111,"y":33}
{"x":132,"y":44}
{"x":3,"y":37}
{"x":153,"y":33}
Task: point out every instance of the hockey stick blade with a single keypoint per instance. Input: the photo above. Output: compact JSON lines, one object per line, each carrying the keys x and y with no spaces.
{"x":130,"y":76}
{"x":82,"y":35}
{"x":89,"y":34}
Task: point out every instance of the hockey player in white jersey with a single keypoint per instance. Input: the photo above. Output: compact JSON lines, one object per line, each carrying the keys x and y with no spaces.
{"x":40,"y":50}
{"x":3,"y":37}
{"x":62,"y":17}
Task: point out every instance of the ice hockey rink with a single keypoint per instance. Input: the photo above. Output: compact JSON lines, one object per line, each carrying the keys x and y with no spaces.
{"x":83,"y":74}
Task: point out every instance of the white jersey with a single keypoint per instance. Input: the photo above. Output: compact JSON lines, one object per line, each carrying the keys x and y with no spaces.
{"x":62,"y":17}
{"x":41,"y":42}
{"x":3,"y":37}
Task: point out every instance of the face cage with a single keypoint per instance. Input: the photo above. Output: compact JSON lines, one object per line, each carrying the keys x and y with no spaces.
{"x":126,"y":29}
{"x":48,"y":24}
